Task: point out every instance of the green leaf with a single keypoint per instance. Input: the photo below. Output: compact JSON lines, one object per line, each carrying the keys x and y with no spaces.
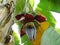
{"x":31,"y":3}
{"x":16,"y":39}
{"x":25,"y":40}
{"x":50,"y":37}
{"x":0,"y":1}
{"x":19,"y":6}
{"x":50,"y":5}
{"x":28,"y":43}
{"x":57,"y":30}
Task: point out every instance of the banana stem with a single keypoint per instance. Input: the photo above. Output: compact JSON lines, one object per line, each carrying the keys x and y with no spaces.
{"x":26,"y":7}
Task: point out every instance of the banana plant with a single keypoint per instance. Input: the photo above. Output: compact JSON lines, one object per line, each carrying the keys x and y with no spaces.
{"x":43,"y":8}
{"x":44,"y":24}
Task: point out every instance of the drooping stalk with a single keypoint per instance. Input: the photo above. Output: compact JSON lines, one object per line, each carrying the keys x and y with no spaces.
{"x":26,"y":7}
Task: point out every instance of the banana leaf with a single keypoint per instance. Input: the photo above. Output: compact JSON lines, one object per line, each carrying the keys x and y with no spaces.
{"x":19,"y":6}
{"x":50,"y":5}
{"x":16,"y":39}
{"x":50,"y":37}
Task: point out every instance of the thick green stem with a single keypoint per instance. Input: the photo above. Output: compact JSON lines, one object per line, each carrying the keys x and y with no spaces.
{"x":26,"y":8}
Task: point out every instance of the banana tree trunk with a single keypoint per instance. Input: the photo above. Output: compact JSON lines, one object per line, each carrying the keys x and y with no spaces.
{"x":6,"y":22}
